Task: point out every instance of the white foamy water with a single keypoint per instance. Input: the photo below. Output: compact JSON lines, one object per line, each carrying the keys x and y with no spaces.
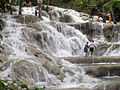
{"x":59,"y":43}
{"x":54,"y":38}
{"x":62,"y":40}
{"x":76,"y":16}
{"x":13,"y":38}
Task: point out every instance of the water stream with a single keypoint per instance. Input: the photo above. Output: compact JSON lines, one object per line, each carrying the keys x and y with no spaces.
{"x":33,"y":49}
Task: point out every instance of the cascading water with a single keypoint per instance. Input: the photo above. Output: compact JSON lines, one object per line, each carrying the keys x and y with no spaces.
{"x":31,"y":49}
{"x":60,"y":39}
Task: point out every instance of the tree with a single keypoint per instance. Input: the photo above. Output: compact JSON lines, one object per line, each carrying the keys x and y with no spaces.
{"x":3,"y":4}
{"x":20,"y":7}
{"x":6,"y":5}
{"x":11,"y":2}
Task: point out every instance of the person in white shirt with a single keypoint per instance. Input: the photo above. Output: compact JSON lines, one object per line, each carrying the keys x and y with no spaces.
{"x":92,"y":48}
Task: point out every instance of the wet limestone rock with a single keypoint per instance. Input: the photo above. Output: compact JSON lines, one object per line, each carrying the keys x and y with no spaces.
{"x":106,"y":49}
{"x":35,"y":26}
{"x":103,"y":70}
{"x":3,"y":56}
{"x":66,"y":18}
{"x":26,"y":19}
{"x":111,"y":32}
{"x":108,"y":32}
{"x":3,"y":59}
{"x":47,"y":62}
{"x":2,"y":24}
{"x":28,"y":72}
{"x":101,"y":49}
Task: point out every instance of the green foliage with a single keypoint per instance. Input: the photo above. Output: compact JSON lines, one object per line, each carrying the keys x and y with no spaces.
{"x":78,"y":4}
{"x":2,"y":85}
{"x":16,"y":85}
{"x":116,"y":4}
{"x":39,"y":88}
{"x":5,"y":5}
{"x":108,"y":6}
{"x":12,"y":85}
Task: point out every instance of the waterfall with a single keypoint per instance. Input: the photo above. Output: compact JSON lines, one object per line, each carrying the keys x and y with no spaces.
{"x":29,"y":49}
{"x":33,"y":49}
{"x":62,"y":40}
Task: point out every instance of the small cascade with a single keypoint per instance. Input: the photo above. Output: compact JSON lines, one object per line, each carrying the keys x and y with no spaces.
{"x":20,"y":65}
{"x":108,"y":74}
{"x":116,"y":32}
{"x":34,"y":48}
{"x":60,"y":39}
{"x":108,"y":50}
{"x":13,"y":38}
{"x":104,"y":86}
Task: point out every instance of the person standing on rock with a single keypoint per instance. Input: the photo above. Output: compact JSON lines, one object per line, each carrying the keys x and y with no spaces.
{"x":86,"y":49}
{"x":35,"y":11}
{"x":92,"y":48}
{"x":39,"y":2}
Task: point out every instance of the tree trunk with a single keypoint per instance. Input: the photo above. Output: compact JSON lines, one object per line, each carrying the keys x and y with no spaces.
{"x":10,"y":2}
{"x":20,"y":7}
{"x":11,"y":12}
{"x":47,"y":8}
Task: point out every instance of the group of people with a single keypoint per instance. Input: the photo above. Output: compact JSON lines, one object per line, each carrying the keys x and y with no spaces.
{"x":89,"y":48}
{"x":104,"y":17}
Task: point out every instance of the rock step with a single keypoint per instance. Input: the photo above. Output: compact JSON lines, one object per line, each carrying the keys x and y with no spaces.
{"x":94,"y":59}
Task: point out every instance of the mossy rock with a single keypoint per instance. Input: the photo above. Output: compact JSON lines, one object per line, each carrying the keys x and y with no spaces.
{"x":40,"y":88}
{"x":27,"y":72}
{"x":12,"y":85}
{"x":66,"y":18}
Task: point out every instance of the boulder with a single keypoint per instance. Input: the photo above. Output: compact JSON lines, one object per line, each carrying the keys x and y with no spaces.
{"x":66,"y":18}
{"x":108,"y":32}
{"x":28,"y":72}
{"x":26,"y":19}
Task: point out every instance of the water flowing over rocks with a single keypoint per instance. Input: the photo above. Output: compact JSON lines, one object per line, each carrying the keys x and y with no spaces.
{"x":28,"y":72}
{"x":26,"y":19}
{"x":31,"y":49}
{"x":23,"y":55}
{"x":27,"y":47}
